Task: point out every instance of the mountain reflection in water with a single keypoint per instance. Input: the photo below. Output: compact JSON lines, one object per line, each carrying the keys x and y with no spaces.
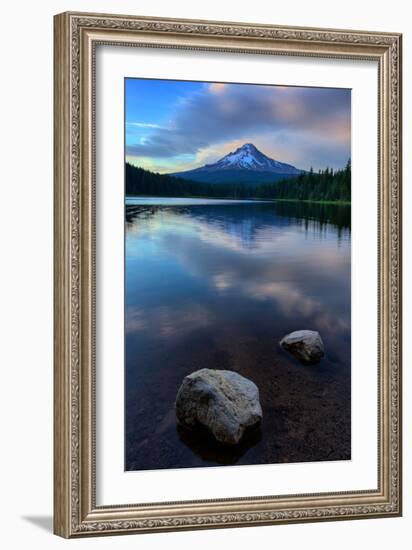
{"x":217,"y":284}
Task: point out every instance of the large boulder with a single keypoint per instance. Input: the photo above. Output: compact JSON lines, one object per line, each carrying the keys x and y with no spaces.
{"x":306,"y":345}
{"x":223,"y":401}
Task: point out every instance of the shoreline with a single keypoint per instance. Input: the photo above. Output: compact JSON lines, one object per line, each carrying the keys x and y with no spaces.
{"x":309,"y":201}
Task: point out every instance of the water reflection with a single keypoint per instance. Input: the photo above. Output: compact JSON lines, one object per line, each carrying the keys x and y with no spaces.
{"x":217,"y":285}
{"x":205,"y":446}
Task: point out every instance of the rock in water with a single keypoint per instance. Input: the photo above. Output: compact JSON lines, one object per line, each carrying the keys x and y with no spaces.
{"x":306,"y":345}
{"x":223,"y":401}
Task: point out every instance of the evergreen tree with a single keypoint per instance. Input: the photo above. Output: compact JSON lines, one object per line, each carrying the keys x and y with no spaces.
{"x":325,"y":185}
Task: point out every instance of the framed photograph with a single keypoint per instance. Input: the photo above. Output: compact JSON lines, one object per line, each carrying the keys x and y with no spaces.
{"x":227,"y":274}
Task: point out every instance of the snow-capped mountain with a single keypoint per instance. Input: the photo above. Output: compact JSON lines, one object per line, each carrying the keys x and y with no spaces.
{"x":246,"y":164}
{"x":249,"y":157}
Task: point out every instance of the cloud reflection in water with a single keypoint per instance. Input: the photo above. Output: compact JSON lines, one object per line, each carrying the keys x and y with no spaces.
{"x":218,"y":285}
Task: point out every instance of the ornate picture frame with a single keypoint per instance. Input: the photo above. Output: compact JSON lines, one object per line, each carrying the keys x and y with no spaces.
{"x":76,"y":511}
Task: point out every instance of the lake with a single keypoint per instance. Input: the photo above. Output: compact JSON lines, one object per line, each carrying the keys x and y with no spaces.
{"x":217,"y":284}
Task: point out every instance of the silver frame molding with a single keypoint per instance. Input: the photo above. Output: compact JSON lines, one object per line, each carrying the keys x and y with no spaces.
{"x":76,"y":36}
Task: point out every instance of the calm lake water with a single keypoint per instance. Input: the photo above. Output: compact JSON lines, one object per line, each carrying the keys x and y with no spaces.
{"x":217,"y":284}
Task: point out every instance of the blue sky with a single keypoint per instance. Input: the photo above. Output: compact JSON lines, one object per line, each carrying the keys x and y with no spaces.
{"x":179,"y":125}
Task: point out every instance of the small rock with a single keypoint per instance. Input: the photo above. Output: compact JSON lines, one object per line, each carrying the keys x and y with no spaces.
{"x":306,"y":345}
{"x":223,"y":401}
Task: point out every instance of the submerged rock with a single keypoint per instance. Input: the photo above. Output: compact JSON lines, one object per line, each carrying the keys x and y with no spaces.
{"x":306,"y":345}
{"x":223,"y":401}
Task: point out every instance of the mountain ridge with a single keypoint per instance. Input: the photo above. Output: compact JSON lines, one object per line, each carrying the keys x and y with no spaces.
{"x":246,"y":165}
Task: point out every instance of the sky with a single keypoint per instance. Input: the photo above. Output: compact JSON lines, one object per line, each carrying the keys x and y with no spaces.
{"x":175,"y":125}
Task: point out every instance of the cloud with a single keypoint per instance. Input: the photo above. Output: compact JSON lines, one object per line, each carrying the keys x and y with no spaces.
{"x":143,"y":125}
{"x":221,"y":113}
{"x":217,"y":87}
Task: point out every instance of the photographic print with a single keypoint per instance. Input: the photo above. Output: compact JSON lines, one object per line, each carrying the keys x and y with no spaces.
{"x":237,"y":274}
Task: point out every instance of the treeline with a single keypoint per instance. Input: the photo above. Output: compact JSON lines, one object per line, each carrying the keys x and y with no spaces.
{"x":325,"y":185}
